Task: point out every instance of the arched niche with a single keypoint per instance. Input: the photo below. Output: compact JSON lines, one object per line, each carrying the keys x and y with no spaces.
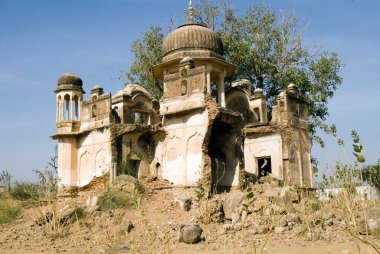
{"x":102,"y":162}
{"x":86,"y":172}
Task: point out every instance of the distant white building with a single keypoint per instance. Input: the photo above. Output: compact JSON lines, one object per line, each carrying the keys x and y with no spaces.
{"x":365,"y":192}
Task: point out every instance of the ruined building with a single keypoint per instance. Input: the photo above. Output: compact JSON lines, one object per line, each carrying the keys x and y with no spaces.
{"x":196,"y":133}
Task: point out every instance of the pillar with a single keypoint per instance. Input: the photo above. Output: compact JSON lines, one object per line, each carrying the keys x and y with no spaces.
{"x":71,"y":108}
{"x":221,"y":92}
{"x":208,"y":77}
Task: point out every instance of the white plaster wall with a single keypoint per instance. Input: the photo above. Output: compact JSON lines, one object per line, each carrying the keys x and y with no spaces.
{"x":264,"y":147}
{"x":194,"y":159}
{"x":94,"y":156}
{"x":180,"y":153}
{"x":67,"y":161}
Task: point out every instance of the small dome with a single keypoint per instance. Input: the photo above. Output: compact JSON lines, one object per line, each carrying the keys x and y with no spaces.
{"x":131,"y":89}
{"x":245,"y":83}
{"x":192,"y":36}
{"x":70,"y":79}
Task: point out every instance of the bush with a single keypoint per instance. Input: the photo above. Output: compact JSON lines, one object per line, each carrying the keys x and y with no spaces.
{"x":9,"y":209}
{"x":25,"y":191}
{"x":115,"y":199}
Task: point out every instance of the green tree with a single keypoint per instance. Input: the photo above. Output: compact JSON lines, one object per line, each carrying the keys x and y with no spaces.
{"x":267,"y":48}
{"x":371,"y":175}
{"x":147,"y":53}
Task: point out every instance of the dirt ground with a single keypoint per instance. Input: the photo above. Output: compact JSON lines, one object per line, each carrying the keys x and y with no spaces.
{"x":155,"y":230}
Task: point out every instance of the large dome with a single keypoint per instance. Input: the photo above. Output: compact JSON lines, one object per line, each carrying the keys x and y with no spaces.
{"x":192,"y":36}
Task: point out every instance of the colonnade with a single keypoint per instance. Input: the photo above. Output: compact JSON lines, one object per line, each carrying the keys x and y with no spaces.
{"x":68,"y":107}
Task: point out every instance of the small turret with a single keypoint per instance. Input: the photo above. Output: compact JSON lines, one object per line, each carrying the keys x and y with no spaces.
{"x":69,"y":94}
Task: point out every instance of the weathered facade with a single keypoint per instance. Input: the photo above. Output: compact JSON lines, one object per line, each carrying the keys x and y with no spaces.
{"x":196,"y":133}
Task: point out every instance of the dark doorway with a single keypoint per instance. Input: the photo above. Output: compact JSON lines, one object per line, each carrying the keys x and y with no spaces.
{"x":265,"y":166}
{"x":130,"y":167}
{"x":221,"y":150}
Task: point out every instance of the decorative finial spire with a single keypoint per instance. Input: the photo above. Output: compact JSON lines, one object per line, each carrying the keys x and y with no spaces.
{"x":191,"y":13}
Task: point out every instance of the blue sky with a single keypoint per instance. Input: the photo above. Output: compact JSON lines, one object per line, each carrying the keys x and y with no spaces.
{"x":42,"y":39}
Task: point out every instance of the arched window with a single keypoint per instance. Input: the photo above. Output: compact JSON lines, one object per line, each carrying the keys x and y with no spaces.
{"x":183,"y":87}
{"x":93,"y":111}
{"x":76,"y":108}
{"x":257,"y":113}
{"x":59,"y":108}
{"x":66,"y":115}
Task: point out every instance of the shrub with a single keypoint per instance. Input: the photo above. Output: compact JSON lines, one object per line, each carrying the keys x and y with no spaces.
{"x":9,"y":209}
{"x":113,"y":199}
{"x":25,"y":191}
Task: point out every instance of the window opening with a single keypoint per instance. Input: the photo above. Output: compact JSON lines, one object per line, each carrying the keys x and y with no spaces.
{"x":94,"y":111}
{"x":184,"y":87}
{"x":257,"y":112}
{"x":265,"y":166}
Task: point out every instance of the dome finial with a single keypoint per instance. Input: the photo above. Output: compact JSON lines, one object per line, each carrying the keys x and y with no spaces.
{"x":191,"y":13}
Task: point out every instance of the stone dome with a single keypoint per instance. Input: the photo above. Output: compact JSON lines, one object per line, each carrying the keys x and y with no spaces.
{"x":131,"y":90}
{"x":70,"y":79}
{"x":192,"y":36}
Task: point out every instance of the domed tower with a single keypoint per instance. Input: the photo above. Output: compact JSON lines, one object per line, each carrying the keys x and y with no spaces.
{"x":200,"y":130}
{"x":192,"y":66}
{"x":69,"y":94}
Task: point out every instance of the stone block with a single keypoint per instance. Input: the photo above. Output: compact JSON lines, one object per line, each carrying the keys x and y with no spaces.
{"x":233,"y":203}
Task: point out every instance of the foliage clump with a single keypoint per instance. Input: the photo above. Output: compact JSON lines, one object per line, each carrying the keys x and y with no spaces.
{"x":25,"y":191}
{"x":113,"y":199}
{"x":10,"y":209}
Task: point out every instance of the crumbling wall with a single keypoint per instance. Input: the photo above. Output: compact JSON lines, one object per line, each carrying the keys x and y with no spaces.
{"x":180,"y":155}
{"x":94,"y":155}
{"x":216,"y":113}
{"x":124,"y":140}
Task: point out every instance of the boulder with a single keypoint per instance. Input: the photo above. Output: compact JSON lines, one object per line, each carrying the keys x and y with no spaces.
{"x":91,"y":203}
{"x":190,"y":233}
{"x":127,"y":183}
{"x":233,"y":203}
{"x":235,"y":216}
{"x":184,"y":203}
{"x":285,"y":200}
{"x":361,"y":226}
